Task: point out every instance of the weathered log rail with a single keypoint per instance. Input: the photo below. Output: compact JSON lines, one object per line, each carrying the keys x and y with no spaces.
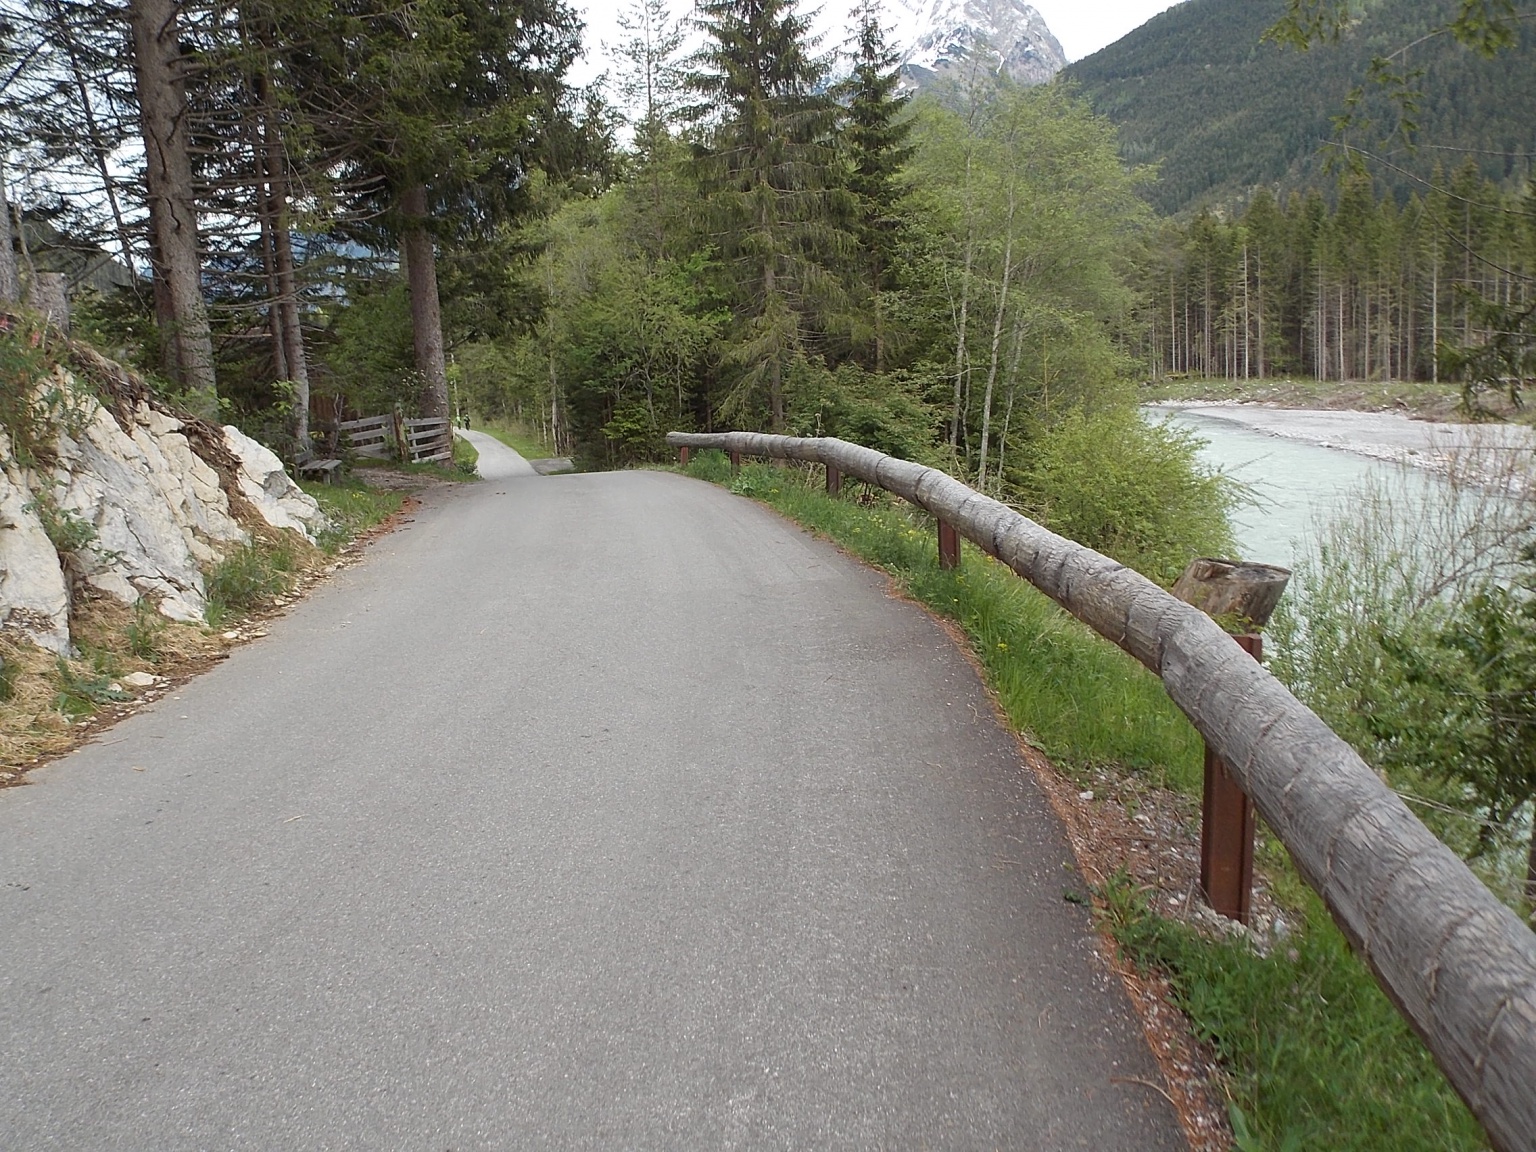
{"x":1459,"y":965}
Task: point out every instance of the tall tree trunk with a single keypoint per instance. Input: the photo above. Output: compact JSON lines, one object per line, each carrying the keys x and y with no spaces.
{"x":264,"y":213}
{"x":10,"y":275}
{"x":997,"y":341}
{"x":1013,"y":389}
{"x":426,"y":310}
{"x":965,"y":311}
{"x":775,"y":362}
{"x":159,"y":79}
{"x":282,"y":257}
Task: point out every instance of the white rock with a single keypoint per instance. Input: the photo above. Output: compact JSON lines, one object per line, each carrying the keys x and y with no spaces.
{"x":281,"y":502}
{"x":140,"y":680}
{"x":107,"y":478}
{"x":34,"y":597}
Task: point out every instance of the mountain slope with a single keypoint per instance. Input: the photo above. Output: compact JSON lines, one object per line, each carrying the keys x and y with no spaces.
{"x":1195,"y":90}
{"x":936,"y":37}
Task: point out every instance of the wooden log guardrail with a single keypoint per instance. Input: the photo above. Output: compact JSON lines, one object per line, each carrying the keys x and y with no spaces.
{"x":1459,"y":965}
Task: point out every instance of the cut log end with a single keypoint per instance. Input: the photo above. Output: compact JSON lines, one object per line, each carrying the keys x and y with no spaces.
{"x":1232,"y":590}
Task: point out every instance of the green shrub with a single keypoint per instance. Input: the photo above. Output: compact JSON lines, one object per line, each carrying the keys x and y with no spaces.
{"x":351,"y":508}
{"x":1132,"y":490}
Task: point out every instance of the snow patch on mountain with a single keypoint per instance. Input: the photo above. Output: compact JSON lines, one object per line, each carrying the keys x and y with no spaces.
{"x":936,"y":37}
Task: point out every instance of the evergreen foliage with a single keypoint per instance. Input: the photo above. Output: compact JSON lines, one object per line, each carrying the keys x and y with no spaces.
{"x":1200,"y":92}
{"x":1361,"y":289}
{"x":769,"y":185}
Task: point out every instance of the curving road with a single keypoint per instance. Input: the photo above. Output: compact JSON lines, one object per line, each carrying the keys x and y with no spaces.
{"x":603,"y":811}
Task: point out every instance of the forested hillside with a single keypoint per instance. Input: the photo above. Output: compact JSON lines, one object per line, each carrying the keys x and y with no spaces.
{"x":1197,"y":92}
{"x":1344,"y":287}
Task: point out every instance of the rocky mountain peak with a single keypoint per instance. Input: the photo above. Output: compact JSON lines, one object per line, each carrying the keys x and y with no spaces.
{"x":937,"y":36}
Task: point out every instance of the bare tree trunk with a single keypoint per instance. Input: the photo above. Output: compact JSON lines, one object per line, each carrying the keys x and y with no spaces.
{"x":997,"y":342}
{"x":1013,"y":390}
{"x":159,"y":78}
{"x":264,"y":214}
{"x":965,"y":309}
{"x":426,"y":310}
{"x":282,"y":258}
{"x":775,"y":365}
{"x":10,"y":275}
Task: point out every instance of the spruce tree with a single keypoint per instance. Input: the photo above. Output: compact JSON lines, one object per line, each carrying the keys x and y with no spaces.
{"x":876,"y":136}
{"x":767,"y":167}
{"x":434,"y":114}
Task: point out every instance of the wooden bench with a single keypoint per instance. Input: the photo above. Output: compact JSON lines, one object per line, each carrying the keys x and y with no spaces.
{"x":326,"y":468}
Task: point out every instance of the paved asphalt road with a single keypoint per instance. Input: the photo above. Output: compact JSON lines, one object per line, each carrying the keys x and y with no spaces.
{"x":600,"y":811}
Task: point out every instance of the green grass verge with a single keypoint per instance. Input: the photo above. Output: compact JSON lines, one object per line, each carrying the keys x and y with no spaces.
{"x":465,"y":456}
{"x":247,"y":578}
{"x":1317,"y":1055}
{"x":352,"y":508}
{"x":517,"y":438}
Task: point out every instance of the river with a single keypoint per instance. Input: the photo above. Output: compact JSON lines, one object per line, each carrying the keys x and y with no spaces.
{"x":1301,"y":463}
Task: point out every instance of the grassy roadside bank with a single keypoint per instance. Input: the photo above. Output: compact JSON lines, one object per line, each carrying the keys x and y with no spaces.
{"x":1315,"y":1056}
{"x":48,"y":704}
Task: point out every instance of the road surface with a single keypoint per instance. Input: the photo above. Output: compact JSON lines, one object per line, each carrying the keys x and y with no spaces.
{"x":602,"y":811}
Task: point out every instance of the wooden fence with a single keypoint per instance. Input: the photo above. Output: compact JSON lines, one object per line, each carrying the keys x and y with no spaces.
{"x":1459,"y":965}
{"x":427,"y":439}
{"x":388,"y":436}
{"x":369,"y":436}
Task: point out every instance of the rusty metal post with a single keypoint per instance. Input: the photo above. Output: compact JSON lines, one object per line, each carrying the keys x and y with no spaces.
{"x":735,"y":463}
{"x":949,"y":546}
{"x":1226,"y":829}
{"x":682,"y":455}
{"x":834,"y":481}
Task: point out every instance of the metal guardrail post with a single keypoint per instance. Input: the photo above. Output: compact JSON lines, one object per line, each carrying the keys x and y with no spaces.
{"x":1227,"y":828}
{"x":949,"y":546}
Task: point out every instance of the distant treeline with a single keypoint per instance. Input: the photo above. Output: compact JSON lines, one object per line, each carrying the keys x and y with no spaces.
{"x":1358,"y":290}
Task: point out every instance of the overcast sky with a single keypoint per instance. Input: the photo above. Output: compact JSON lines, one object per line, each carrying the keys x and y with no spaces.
{"x":1082,"y":26}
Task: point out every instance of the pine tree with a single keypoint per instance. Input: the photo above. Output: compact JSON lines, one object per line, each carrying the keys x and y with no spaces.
{"x":876,"y":136}
{"x":767,"y":167}
{"x":434,"y":113}
{"x":650,"y":84}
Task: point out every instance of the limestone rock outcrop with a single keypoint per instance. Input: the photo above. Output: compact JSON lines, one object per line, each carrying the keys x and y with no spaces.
{"x":127,"y":501}
{"x":34,"y":597}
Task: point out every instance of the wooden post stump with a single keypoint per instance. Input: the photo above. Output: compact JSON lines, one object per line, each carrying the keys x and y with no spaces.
{"x":1226,"y":830}
{"x":949,"y":546}
{"x":682,"y":455}
{"x":1243,"y":594}
{"x":735,"y":463}
{"x":834,"y":481}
